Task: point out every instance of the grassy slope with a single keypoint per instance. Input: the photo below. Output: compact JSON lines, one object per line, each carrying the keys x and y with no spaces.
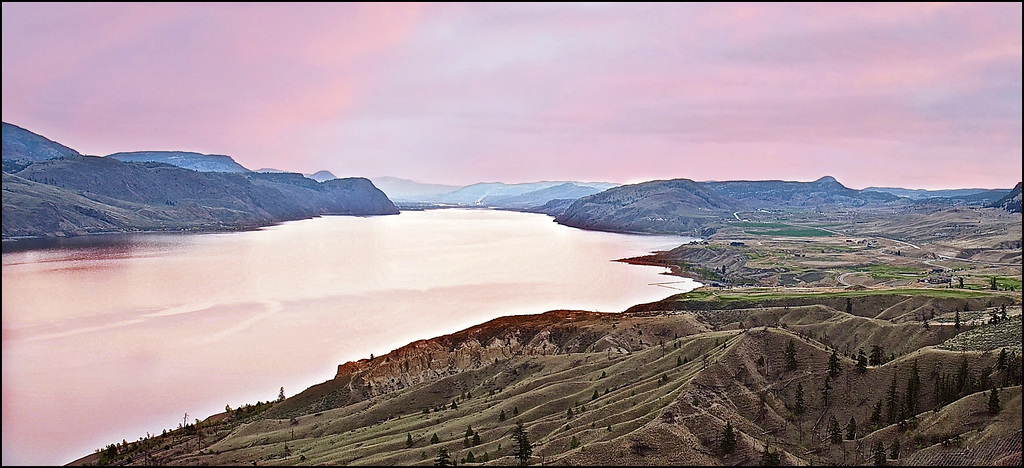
{"x":650,"y":408}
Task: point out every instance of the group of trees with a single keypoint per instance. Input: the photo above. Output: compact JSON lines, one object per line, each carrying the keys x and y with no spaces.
{"x":522,"y":448}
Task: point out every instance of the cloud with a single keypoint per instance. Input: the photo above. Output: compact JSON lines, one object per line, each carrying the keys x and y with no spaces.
{"x":461,"y":93}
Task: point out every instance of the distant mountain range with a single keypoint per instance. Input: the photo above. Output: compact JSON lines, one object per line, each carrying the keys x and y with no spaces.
{"x":687,"y":207}
{"x":52,"y":190}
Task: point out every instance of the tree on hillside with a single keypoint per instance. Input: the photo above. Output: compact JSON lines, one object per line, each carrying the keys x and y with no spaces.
{"x":879,"y":453}
{"x":408,"y":439}
{"x":862,"y":361}
{"x":443,"y":458}
{"x":894,"y":449}
{"x":992,"y":285}
{"x":993,"y":401}
{"x":835,"y":434}
{"x":851,"y":429}
{"x":523,"y":448}
{"x":956,"y":320}
{"x":834,"y":366}
{"x":434,"y":439}
{"x":1000,"y":363}
{"x":913,"y":390}
{"x":876,"y":415}
{"x":728,"y":443}
{"x":501,"y":415}
{"x":893,"y":403}
{"x":877,"y":356}
{"x":791,"y":356}
{"x":280,"y":395}
{"x":849,"y":306}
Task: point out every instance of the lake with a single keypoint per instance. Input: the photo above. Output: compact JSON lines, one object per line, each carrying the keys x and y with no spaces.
{"x":107,"y":337}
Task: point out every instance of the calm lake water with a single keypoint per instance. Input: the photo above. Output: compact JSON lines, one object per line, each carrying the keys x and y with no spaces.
{"x":108,"y":337}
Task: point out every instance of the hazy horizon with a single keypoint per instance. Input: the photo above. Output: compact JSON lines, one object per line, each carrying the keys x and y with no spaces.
{"x":904,"y":95}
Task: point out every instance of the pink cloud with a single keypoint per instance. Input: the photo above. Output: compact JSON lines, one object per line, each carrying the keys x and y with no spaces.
{"x":462,"y":93}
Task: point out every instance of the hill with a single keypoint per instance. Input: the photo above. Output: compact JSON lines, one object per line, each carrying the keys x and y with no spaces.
{"x":411,"y":190}
{"x":75,"y":195}
{"x":194,"y":161}
{"x":1010,"y":202}
{"x":23,"y":146}
{"x":538,"y":198}
{"x":664,"y":206}
{"x":652,"y":386}
{"x":824,"y":193}
{"x":321,"y":176}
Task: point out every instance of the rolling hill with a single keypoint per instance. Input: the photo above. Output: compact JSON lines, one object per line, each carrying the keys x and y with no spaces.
{"x":656,"y":385}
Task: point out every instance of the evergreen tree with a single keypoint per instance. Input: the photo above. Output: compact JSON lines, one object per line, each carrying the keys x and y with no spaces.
{"x":798,"y":403}
{"x":913,"y":390}
{"x":476,"y":439}
{"x":501,"y":415}
{"x":791,"y":356}
{"x":434,"y":439}
{"x":894,"y":449}
{"x":849,"y":306}
{"x":568,"y":413}
{"x":523,"y":448}
{"x":851,"y":429}
{"x":862,"y":361}
{"x":454,"y":405}
{"x":728,"y":443}
{"x":470,"y":458}
{"x":574,"y":442}
{"x":835,"y":434}
{"x":408,"y":439}
{"x":879,"y":453}
{"x":892,"y":405}
{"x":992,"y":284}
{"x":443,"y":458}
{"x":679,"y":361}
{"x":469,"y":431}
{"x":515,"y":411}
{"x":877,"y":355}
{"x":1001,"y":363}
{"x":594,"y":396}
{"x":993,"y":402}
{"x":876,"y":415}
{"x":834,"y":366}
{"x":963,"y":377}
{"x":956,"y":320}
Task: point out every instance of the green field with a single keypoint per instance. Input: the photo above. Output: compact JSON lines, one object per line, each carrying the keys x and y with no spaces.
{"x":767,"y":293}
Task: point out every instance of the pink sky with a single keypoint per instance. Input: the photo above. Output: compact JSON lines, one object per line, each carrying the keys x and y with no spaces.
{"x":912,"y":95}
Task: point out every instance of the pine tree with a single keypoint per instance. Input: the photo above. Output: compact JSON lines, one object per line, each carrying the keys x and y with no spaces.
{"x":876,"y":415}
{"x":862,"y":361}
{"x":476,"y":439}
{"x":834,"y":366}
{"x":280,"y":395}
{"x":574,"y":442}
{"x":594,"y":396}
{"x":879,"y":453}
{"x":894,"y":449}
{"x":568,"y":413}
{"x":443,"y":458}
{"x":501,"y":415}
{"x":515,"y":411}
{"x":913,"y":390}
{"x":434,"y":439}
{"x":993,"y":401}
{"x":469,"y":431}
{"x":892,"y":405}
{"x":470,"y":458}
{"x":523,"y":448}
{"x":791,"y":356}
{"x":851,"y":429}
{"x":728,"y":443}
{"x":849,"y":306}
{"x":835,"y":435}
{"x":956,"y":320}
{"x":454,"y":405}
{"x":1001,"y":363}
{"x":877,"y":355}
{"x":408,"y":439}
{"x":679,"y":361}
